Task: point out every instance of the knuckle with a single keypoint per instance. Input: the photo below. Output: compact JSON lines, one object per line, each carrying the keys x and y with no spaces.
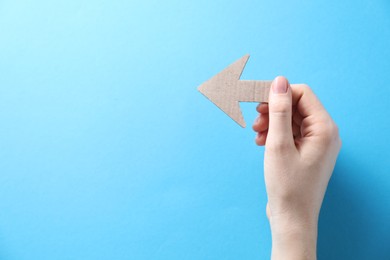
{"x":278,"y":147}
{"x":304,"y":87}
{"x":330,"y":133}
{"x":280,"y":107}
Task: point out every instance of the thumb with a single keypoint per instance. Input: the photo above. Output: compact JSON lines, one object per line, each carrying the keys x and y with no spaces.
{"x":280,"y":134}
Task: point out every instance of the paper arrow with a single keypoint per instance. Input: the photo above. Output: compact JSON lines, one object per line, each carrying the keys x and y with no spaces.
{"x":226,"y":90}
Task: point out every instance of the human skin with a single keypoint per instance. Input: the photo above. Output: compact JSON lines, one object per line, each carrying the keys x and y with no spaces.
{"x":301,"y":146}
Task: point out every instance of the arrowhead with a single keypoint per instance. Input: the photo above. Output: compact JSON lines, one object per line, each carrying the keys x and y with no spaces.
{"x":222,"y":90}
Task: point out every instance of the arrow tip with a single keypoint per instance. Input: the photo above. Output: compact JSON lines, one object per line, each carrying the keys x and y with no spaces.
{"x":221,"y":90}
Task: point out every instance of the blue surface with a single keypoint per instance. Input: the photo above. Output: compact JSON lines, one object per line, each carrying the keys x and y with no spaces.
{"x":107,"y":151}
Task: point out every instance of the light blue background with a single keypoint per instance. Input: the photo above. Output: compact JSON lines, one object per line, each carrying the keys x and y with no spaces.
{"x":107,"y":151}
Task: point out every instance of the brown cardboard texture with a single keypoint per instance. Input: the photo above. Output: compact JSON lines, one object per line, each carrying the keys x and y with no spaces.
{"x":226,"y":90}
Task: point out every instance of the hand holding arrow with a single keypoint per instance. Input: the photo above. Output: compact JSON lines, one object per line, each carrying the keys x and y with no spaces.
{"x":226,"y":90}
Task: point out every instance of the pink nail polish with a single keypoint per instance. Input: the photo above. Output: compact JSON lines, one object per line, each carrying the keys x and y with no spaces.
{"x":279,"y":86}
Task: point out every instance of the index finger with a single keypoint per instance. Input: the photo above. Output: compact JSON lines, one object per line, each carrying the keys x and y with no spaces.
{"x":306,"y":101}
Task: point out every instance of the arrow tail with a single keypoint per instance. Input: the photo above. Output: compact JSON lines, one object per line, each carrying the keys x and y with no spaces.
{"x":253,"y":90}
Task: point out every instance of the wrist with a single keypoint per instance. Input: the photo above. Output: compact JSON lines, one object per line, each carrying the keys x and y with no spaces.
{"x":293,"y":239}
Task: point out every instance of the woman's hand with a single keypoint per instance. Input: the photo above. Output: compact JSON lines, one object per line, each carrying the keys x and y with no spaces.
{"x":301,"y":146}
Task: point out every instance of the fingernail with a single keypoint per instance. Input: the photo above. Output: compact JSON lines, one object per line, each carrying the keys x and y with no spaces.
{"x":279,"y":85}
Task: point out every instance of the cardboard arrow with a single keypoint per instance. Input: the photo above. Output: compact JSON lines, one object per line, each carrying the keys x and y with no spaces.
{"x":226,"y":90}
